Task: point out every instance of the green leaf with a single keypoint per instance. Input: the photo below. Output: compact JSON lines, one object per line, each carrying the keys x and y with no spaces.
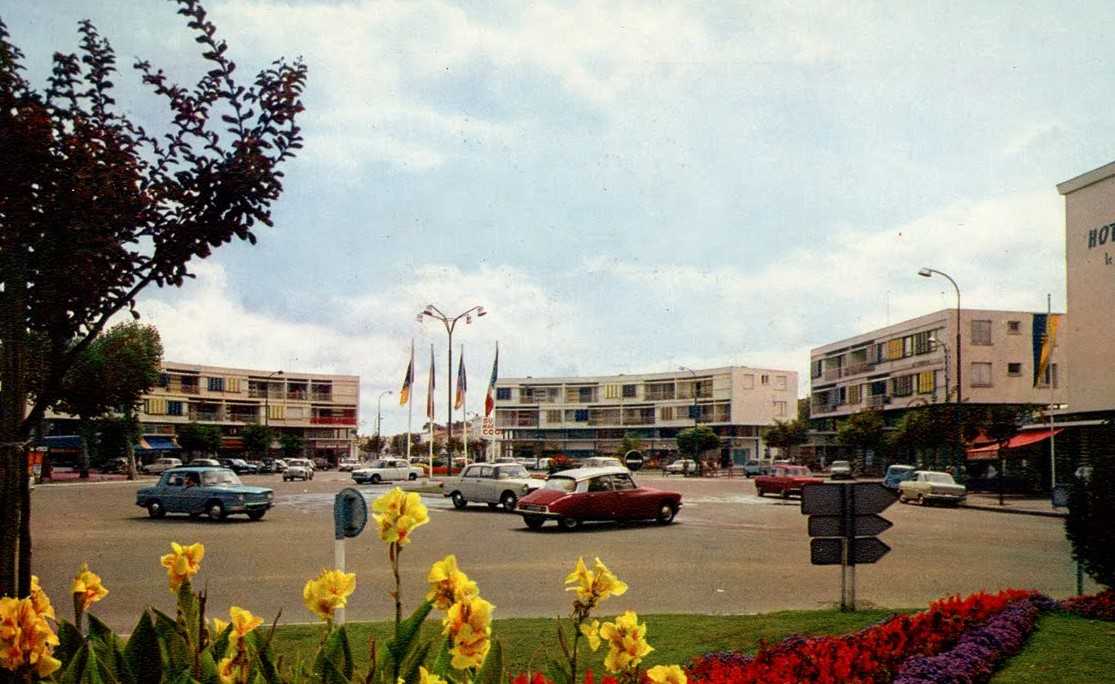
{"x":107,"y":646}
{"x":335,"y":654}
{"x":74,"y":670}
{"x":189,"y":609}
{"x":142,"y":652}
{"x":557,"y":672}
{"x":176,"y":652}
{"x":208,"y":668}
{"x":220,"y":645}
{"x":264,"y":664}
{"x":492,"y":671}
{"x":70,"y":642}
{"x":443,"y":664}
{"x":401,"y":645}
{"x":408,"y":671}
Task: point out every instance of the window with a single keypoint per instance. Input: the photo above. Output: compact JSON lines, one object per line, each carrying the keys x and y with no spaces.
{"x":276,"y":412}
{"x":894,"y":349}
{"x":1014,"y":369}
{"x":780,"y":382}
{"x":164,"y":379}
{"x":908,"y":346}
{"x":174,"y":408}
{"x":580,"y":415}
{"x":981,"y":332}
{"x":584,"y":394}
{"x":764,"y":379}
{"x":629,"y":391}
{"x":1050,"y":374}
{"x":600,"y":484}
{"x":903,"y":386}
{"x":981,"y":375}
{"x":621,"y":482}
{"x":926,"y":382}
{"x":233,"y":385}
{"x":666,"y":413}
{"x":1014,"y":327}
{"x":921,"y":343}
{"x":611,"y":391}
{"x":779,"y":408}
{"x":855,"y":394}
{"x":156,"y":407}
{"x":749,"y":381}
{"x":815,"y":369}
{"x":503,"y":393}
{"x":216,"y":384}
{"x":553,"y":416}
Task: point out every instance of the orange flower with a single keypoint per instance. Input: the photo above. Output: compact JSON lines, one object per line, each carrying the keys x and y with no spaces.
{"x":86,"y":588}
{"x":182,"y":563}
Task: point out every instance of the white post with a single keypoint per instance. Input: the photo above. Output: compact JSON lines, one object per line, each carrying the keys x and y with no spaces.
{"x":410,"y":398}
{"x":1049,"y":366}
{"x":339,"y":563}
{"x":464,"y":434}
{"x":431,"y":447}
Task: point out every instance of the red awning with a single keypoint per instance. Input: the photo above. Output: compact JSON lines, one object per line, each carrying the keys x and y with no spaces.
{"x":991,"y":451}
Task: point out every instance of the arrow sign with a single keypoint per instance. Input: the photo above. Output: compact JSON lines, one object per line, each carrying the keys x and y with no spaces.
{"x":872,"y":497}
{"x":822,"y":499}
{"x":866,"y":550}
{"x":826,"y":551}
{"x":833,"y":526}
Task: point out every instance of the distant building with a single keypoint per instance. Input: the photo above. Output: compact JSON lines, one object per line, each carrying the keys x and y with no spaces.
{"x":583,"y":416}
{"x":322,"y":409}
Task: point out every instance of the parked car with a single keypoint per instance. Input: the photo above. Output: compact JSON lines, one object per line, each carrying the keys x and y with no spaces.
{"x":496,"y":484}
{"x":322,"y":463}
{"x":896,"y":474}
{"x":115,"y":465}
{"x":238,"y":465}
{"x":298,"y":469}
{"x":161,"y":465}
{"x":681,"y":466}
{"x":784,"y":480}
{"x":347,"y":465}
{"x":541,"y":464}
{"x":216,"y":492}
{"x":274,"y":465}
{"x":927,"y":486}
{"x":841,"y":470}
{"x":753,"y":468}
{"x":602,"y":462}
{"x":384,"y":469}
{"x":574,"y":496}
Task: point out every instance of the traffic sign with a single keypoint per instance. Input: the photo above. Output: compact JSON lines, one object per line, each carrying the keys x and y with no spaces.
{"x":834,"y":526}
{"x":872,"y":497}
{"x":866,"y":550}
{"x":827,"y":498}
{"x":862,"y":551}
{"x":350,"y":513}
{"x":826,"y":551}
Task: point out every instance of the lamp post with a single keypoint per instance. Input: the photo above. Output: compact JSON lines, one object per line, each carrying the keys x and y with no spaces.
{"x":379,"y":419}
{"x":450,"y":323}
{"x":927,"y":272}
{"x":267,"y":408}
{"x":696,"y":414}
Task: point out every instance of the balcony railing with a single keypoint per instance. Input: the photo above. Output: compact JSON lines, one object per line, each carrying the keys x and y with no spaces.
{"x":206,"y":415}
{"x":857,"y":368}
{"x":241,"y":417}
{"x":832,"y":373}
{"x":183,"y":389}
{"x":878,"y":400}
{"x":333,"y":420}
{"x":322,"y":396}
{"x":824,"y":407}
{"x":299,"y":395}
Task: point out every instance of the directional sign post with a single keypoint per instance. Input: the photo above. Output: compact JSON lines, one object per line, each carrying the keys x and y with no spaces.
{"x":350,"y":514}
{"x":843,"y":524}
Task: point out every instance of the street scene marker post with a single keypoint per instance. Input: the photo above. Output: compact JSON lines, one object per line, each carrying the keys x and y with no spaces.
{"x":350,"y":515}
{"x":843,"y":522}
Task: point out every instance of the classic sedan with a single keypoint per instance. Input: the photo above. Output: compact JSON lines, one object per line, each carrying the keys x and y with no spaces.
{"x":496,"y":484}
{"x":216,"y":492}
{"x":680,"y":467}
{"x":385,"y":469}
{"x":571,"y":497}
{"x":927,"y":486}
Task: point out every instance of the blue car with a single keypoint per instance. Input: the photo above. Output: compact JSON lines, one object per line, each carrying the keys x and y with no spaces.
{"x":216,"y":492}
{"x":897,"y":474}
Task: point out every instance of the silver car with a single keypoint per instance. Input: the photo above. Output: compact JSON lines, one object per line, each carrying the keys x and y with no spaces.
{"x":496,"y":484}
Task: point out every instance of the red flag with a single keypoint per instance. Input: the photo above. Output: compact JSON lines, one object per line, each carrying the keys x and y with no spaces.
{"x":490,"y":399}
{"x":462,"y":384}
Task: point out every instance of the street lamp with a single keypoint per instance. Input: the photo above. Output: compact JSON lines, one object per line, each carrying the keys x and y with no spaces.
{"x":267,"y":408}
{"x":450,"y":323}
{"x":379,"y":418}
{"x":926,"y":272}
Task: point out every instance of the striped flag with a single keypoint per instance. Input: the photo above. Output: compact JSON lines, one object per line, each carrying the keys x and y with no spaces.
{"x":404,"y":393}
{"x":1045,"y":337}
{"x":462,"y":383}
{"x":490,"y":399}
{"x":430,"y":392}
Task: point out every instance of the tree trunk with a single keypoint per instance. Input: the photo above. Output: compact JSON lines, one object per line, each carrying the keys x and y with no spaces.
{"x":13,"y":407}
{"x":130,"y":447}
{"x":84,"y":432}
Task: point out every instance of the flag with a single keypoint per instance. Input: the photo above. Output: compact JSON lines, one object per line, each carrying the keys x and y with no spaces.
{"x":490,"y":399}
{"x":430,"y":391}
{"x":404,"y":393}
{"x":1045,"y":338}
{"x":462,"y":384}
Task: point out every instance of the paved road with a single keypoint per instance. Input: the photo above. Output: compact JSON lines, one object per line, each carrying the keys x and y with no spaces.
{"x":729,"y":551}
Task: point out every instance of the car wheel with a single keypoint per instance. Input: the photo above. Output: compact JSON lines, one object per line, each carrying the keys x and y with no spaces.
{"x":256,"y":515}
{"x":375,"y":478}
{"x":921,"y":499}
{"x":155,"y":509}
{"x":666,"y":514}
{"x":215,"y":510}
{"x":785,"y":493}
{"x":902,"y":499}
{"x":493,"y":506}
{"x":533,"y":521}
{"x":458,"y":500}
{"x":412,"y":477}
{"x":569,"y":524}
{"x":508,"y":501}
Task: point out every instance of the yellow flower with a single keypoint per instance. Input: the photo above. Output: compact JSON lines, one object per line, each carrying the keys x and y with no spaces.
{"x":468,"y":624}
{"x":593,"y":586}
{"x":627,"y":644}
{"x":40,"y":600}
{"x":425,"y":677}
{"x":242,"y":623}
{"x":87,"y":587}
{"x":592,"y":633}
{"x":233,"y":669}
{"x":217,"y":629}
{"x":448,"y":584}
{"x":26,"y":638}
{"x":397,"y":514}
{"x":182,"y":564}
{"x":666,"y":674}
{"x":328,"y":592}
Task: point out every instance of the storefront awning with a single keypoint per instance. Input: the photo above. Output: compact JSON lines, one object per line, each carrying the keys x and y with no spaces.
{"x":1022,"y":439}
{"x":160,"y":442}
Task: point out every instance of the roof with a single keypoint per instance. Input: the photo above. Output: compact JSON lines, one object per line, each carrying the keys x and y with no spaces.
{"x":1085,"y":179}
{"x":179,"y":469}
{"x":586,"y":473}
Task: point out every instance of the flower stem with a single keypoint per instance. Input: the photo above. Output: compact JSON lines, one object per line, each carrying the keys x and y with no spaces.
{"x":395,"y":550}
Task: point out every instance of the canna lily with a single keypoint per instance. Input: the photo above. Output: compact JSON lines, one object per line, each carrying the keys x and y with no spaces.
{"x":448,"y":585}
{"x":468,"y":626}
{"x":626,"y":640}
{"x":593,"y":586}
{"x":328,"y":592}
{"x":233,"y":669}
{"x":666,"y":674}
{"x":397,"y":514}
{"x":182,"y":563}
{"x":87,"y":588}
{"x":592,"y":633}
{"x":218,"y":628}
{"x":40,"y":600}
{"x":26,"y":638}
{"x":426,"y":677}
{"x":242,"y":623}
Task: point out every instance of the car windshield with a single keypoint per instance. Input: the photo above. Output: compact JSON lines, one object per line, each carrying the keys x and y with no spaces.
{"x":943,"y":478}
{"x":217,"y":478}
{"x":839,"y":464}
{"x":507,"y":472}
{"x":561,"y":484}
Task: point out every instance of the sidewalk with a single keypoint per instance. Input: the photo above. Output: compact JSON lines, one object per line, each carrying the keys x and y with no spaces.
{"x":1014,"y":503}
{"x":72,"y":475}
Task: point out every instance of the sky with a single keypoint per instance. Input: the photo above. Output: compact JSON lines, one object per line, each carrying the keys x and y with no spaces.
{"x":627,"y":186}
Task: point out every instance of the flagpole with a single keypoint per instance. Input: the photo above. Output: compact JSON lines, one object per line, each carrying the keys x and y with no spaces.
{"x":464,"y":404}
{"x":410,"y":400}
{"x":430,"y":409}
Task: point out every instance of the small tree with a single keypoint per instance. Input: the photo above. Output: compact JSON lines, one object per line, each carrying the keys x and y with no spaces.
{"x":257,"y":439}
{"x":695,"y":441}
{"x":195,"y":438}
{"x":291,"y":444}
{"x":862,"y":430}
{"x":1091,"y":510}
{"x":630,"y":443}
{"x":787,"y":434}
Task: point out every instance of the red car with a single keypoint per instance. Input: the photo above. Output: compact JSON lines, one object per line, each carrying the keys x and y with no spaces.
{"x":571,"y":497}
{"x":784,"y":480}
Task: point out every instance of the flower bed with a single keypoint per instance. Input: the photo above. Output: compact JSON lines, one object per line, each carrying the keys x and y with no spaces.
{"x":874,"y":654}
{"x":1101,"y":606}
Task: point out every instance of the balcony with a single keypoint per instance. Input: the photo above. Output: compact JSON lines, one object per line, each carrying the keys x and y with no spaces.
{"x":210,"y":416}
{"x":243,"y":416}
{"x":877,"y":401}
{"x":333,"y":420}
{"x":657,"y":393}
{"x":832,"y":373}
{"x":823,"y":407}
{"x":182,"y":389}
{"x":857,"y":368}
{"x":297,"y":395}
{"x":321,"y":396}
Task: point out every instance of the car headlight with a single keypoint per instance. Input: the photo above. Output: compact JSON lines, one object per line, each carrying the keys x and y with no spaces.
{"x":239,"y":498}
{"x":270,"y":496}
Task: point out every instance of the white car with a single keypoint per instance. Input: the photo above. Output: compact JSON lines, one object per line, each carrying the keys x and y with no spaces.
{"x":681,"y":467}
{"x":384,"y":469}
{"x":348,"y":465}
{"x":496,"y":484}
{"x":840,"y":470}
{"x":298,"y":469}
{"x":602,"y":462}
{"x":162,"y":464}
{"x":927,"y":486}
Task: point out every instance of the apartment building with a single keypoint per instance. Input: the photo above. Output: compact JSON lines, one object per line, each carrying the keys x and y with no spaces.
{"x":904,"y":365}
{"x":322,"y":409}
{"x":583,"y":416}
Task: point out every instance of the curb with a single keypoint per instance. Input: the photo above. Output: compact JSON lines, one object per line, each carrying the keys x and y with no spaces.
{"x":995,"y":508}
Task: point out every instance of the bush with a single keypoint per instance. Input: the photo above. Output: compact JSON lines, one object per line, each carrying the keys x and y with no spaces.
{"x":1088,"y":525}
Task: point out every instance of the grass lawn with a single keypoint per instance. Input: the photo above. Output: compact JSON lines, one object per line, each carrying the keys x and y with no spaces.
{"x":1065,"y":648}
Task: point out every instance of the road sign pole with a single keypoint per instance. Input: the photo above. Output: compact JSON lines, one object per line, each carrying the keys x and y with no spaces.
{"x":844,"y":575}
{"x":339,"y":563}
{"x":850,"y":535}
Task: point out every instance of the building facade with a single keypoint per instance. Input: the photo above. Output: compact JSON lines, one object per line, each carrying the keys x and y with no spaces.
{"x":904,"y":365}
{"x":322,"y":409}
{"x":583,"y":416}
